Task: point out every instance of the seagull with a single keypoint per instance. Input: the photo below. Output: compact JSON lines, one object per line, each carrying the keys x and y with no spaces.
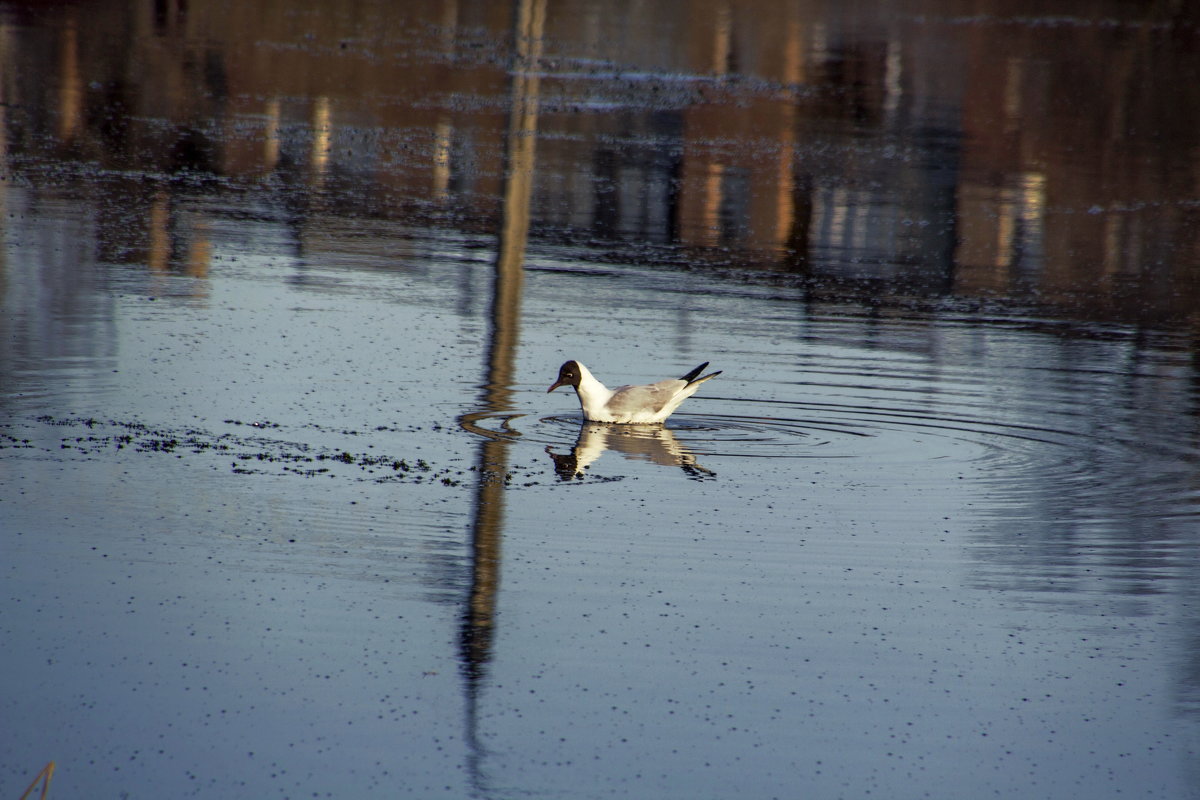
{"x":647,"y":404}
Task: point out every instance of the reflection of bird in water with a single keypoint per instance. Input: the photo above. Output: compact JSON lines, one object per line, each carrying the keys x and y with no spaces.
{"x":654,"y":444}
{"x":647,"y":404}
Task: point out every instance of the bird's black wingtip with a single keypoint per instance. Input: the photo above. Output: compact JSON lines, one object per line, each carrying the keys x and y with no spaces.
{"x":691,"y":376}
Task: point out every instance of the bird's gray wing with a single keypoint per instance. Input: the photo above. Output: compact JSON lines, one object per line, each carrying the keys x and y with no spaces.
{"x":652,"y":397}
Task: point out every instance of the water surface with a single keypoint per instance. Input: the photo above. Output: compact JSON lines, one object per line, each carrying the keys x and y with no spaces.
{"x":287,"y":511}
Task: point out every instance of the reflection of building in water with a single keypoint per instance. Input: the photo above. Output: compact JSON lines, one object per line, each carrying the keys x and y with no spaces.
{"x":1002,"y":230}
{"x":1071,"y":182}
{"x":803,"y":136}
{"x":751,"y":166}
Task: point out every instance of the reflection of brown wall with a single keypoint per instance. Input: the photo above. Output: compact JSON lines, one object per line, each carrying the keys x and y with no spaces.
{"x":399,"y":108}
{"x":1089,"y":112}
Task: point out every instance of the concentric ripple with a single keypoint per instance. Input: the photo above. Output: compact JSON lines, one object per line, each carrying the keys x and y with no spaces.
{"x":810,"y":430}
{"x":1023,"y":458}
{"x":703,"y":434}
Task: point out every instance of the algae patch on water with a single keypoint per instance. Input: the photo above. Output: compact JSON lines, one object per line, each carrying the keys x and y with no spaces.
{"x":247,"y":452}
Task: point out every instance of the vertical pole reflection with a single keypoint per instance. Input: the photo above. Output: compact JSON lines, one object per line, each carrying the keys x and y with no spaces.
{"x":520,"y":139}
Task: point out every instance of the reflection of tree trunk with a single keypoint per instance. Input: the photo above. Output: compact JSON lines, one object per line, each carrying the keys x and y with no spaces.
{"x":479,"y":615}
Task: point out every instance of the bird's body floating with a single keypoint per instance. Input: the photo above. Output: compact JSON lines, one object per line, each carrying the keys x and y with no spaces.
{"x":645,"y":405}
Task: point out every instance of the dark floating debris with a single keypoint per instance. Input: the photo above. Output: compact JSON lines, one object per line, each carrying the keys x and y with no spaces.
{"x":253,"y":453}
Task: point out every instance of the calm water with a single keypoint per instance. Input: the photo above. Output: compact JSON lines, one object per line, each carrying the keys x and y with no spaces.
{"x":285,"y":508}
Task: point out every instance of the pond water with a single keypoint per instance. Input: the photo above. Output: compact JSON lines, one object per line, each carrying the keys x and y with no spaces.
{"x":286,"y":510}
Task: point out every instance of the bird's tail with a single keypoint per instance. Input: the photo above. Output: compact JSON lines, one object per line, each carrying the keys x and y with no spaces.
{"x":691,"y":376}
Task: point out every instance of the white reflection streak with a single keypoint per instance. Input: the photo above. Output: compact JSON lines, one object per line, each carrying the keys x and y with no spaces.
{"x":322,"y":136}
{"x":892,"y":79}
{"x":1020,"y":228}
{"x":1033,"y":216}
{"x":713,"y":187}
{"x":444,"y":129}
{"x":441,"y":160}
{"x":837,"y":218}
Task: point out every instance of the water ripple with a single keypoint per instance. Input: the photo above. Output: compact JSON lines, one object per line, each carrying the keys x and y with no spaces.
{"x":1069,"y":468}
{"x":825,"y":430}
